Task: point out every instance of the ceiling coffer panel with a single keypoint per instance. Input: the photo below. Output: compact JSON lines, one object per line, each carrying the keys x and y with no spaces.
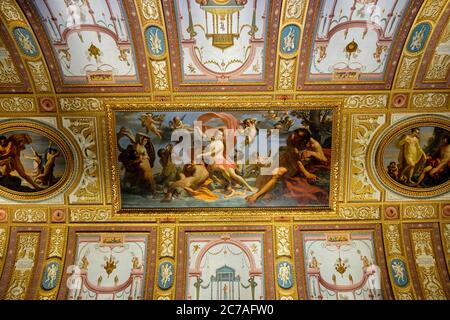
{"x":354,"y":44}
{"x":217,"y":44}
{"x":91,"y":43}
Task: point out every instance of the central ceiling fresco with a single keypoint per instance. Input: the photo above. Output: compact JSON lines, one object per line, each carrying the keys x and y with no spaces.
{"x":225,"y":149}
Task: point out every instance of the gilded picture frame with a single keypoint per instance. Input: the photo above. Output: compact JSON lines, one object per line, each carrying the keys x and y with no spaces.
{"x":325,"y":211}
{"x":66,"y":153}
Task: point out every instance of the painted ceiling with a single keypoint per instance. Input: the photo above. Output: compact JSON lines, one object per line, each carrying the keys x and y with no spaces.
{"x":77,"y":76}
{"x":91,"y":40}
{"x":176,"y":46}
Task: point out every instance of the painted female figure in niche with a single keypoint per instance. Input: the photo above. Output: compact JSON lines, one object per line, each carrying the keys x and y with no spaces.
{"x":29,"y":162}
{"x":419,"y":158}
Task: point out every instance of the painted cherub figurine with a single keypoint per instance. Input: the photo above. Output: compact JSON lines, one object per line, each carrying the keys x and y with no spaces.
{"x":150,"y":121}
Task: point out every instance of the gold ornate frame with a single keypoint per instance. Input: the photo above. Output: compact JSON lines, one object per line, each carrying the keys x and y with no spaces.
{"x":52,"y":135}
{"x":401,"y":128}
{"x":327,"y":211}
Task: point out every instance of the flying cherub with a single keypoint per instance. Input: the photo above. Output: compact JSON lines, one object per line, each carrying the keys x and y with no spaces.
{"x":248,"y":130}
{"x":272,"y":115}
{"x":150,"y":121}
{"x":284,"y":124}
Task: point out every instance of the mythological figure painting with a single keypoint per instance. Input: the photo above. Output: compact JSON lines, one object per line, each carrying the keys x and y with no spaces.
{"x":418,"y":157}
{"x":225,"y":267}
{"x":224,"y":159}
{"x":108,"y":267}
{"x":29,"y":161}
{"x":341,"y":266}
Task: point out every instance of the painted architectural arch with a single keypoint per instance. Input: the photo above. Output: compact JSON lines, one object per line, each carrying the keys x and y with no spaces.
{"x":90,"y":43}
{"x":222,"y":42}
{"x":351,"y":42}
{"x":226,"y":280}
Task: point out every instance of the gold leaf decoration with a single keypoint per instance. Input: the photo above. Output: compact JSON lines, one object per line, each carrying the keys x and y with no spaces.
{"x":150,"y":10}
{"x":392,"y":236}
{"x":89,"y":190}
{"x":430,"y":100}
{"x":90,"y":215}
{"x":39,"y":75}
{"x":426,"y":265}
{"x":3,"y":241}
{"x":167,"y":242}
{"x":406,"y":74}
{"x":26,"y":252}
{"x":359,"y":213}
{"x":419,"y":212}
{"x":363,"y":130}
{"x":30,"y":215}
{"x":366,"y":101}
{"x":160,"y":80}
{"x":17,"y":104}
{"x":286,"y":79}
{"x":57,"y":242}
{"x":80,"y":104}
{"x":294,"y":9}
{"x":9,"y":11}
{"x":283,"y":242}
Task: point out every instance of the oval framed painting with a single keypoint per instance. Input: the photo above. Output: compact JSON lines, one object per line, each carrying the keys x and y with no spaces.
{"x":26,"y":42}
{"x":165,"y":275}
{"x":35,"y":162}
{"x":154,"y":37}
{"x":399,"y":273}
{"x":50,"y":276}
{"x":290,"y":37}
{"x":413,"y":157}
{"x":419,"y":37}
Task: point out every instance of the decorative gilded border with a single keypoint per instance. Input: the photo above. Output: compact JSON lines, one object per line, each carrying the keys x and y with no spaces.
{"x":141,"y":84}
{"x":34,"y":285}
{"x":439,"y":262}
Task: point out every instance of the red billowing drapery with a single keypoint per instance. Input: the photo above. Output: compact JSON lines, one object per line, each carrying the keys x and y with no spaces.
{"x":231,"y":124}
